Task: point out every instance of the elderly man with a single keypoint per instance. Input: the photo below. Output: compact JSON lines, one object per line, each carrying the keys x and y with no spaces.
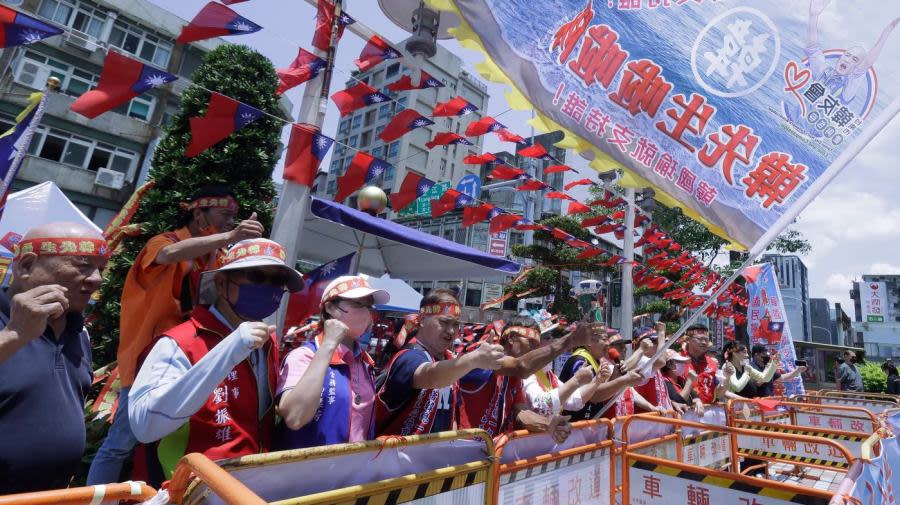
{"x":207,"y":385}
{"x":45,"y":355}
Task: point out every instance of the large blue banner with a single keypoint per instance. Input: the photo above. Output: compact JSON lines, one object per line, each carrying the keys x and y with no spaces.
{"x":732,"y":109}
{"x":767,"y":322}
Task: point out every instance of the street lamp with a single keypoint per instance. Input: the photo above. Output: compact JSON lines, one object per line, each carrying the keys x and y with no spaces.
{"x":826,"y":329}
{"x":425,"y":24}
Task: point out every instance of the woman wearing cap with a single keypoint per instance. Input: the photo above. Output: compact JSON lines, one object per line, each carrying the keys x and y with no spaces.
{"x":676,"y":363}
{"x":327,"y":386}
{"x":207,"y":385}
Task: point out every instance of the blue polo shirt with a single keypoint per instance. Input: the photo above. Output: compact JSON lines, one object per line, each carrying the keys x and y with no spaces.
{"x":42,"y":391}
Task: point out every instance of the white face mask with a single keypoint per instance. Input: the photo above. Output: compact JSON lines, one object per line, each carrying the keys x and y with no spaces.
{"x":679,"y":368}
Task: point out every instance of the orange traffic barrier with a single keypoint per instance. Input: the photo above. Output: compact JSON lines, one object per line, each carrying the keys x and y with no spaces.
{"x":859,"y":394}
{"x":135,"y":491}
{"x":646,"y":476}
{"x":849,"y":400}
{"x":229,"y":489}
{"x":526,"y":460}
{"x":809,"y":415}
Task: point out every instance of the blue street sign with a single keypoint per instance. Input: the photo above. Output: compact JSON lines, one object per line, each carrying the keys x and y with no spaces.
{"x":470,"y":185}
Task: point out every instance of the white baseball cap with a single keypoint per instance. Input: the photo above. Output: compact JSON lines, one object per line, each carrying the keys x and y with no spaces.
{"x":352,"y":287}
{"x":251,"y":253}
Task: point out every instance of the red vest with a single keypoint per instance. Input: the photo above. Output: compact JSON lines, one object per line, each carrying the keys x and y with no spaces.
{"x":228,"y":425}
{"x":654,"y":391}
{"x":706,"y":378}
{"x":417,"y":415}
{"x":491,"y":407}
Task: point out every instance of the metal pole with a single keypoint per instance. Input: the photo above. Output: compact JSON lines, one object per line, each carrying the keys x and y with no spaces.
{"x":628,"y":267}
{"x":293,"y":205}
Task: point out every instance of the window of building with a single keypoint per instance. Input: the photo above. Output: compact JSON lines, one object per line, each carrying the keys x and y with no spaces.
{"x":473,"y":294}
{"x":332,"y":187}
{"x":443,"y":169}
{"x":378,"y":131}
{"x":370,"y":117}
{"x":394,"y":150}
{"x":365,"y":138}
{"x":516,"y":238}
{"x":357,"y":121}
{"x":354,"y":140}
{"x":344,"y":126}
{"x":389,"y":174}
{"x":392,"y":71}
{"x":141,"y":107}
{"x":376,"y":78}
{"x":88,"y":20}
{"x":192,"y":59}
{"x":80,"y":152}
{"x":145,"y":45}
{"x":384,"y":111}
{"x":54,"y":10}
{"x":334,"y":166}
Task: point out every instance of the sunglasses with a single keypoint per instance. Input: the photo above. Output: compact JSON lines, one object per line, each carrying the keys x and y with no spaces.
{"x":260,"y":277}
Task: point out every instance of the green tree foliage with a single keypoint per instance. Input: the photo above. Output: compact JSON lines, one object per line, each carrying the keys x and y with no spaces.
{"x":874,"y":378}
{"x":553,"y":259}
{"x":244,"y":162}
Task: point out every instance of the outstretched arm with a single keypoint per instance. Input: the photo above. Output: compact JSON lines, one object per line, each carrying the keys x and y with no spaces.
{"x":816,"y":7}
{"x":876,"y":50}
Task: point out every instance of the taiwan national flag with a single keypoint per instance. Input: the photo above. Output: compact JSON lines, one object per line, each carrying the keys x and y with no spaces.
{"x":579,"y":182}
{"x":531,"y":184}
{"x":357,"y":97}
{"x":405,"y":83}
{"x":376,"y":51}
{"x":224,"y":116}
{"x":305,"y":303}
{"x":305,"y":153}
{"x":121,"y":80}
{"x":508,"y":136}
{"x":305,"y":66}
{"x":505,"y":173}
{"x":324,"y":17}
{"x":216,"y":20}
{"x":19,"y":29}
{"x":447,"y":139}
{"x":456,"y":107}
{"x":484,"y":125}
{"x":477,"y":214}
{"x":473,"y":159}
{"x":559,"y":195}
{"x":404,"y":122}
{"x":414,"y":186}
{"x":534,"y":151}
{"x":450,"y":200}
{"x":503,"y":222}
{"x":363,"y":169}
{"x":13,"y":148}
{"x":556,"y":169}
{"x":577,"y":208}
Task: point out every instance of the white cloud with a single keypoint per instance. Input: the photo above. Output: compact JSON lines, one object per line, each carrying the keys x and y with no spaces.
{"x":884,"y":269}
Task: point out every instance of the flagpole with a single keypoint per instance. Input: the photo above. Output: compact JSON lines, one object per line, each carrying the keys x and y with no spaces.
{"x":628,"y":267}
{"x":293,"y":205}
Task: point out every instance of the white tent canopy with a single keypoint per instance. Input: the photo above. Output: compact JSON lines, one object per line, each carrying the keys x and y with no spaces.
{"x":403,"y":297}
{"x":37,"y":205}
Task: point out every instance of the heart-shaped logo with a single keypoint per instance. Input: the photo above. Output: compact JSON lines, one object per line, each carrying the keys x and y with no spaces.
{"x":794,"y":77}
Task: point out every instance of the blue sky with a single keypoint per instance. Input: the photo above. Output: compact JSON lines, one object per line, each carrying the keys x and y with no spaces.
{"x":853,"y":226}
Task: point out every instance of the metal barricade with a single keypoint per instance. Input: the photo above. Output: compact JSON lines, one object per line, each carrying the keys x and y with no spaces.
{"x":532,"y":468}
{"x":847,"y":400}
{"x":853,"y":420}
{"x":863,"y":395}
{"x":457,"y":467}
{"x":649,"y":480}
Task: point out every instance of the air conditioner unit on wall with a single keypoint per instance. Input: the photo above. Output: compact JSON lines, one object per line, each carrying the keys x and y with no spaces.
{"x":109,"y":179}
{"x":82,"y":41}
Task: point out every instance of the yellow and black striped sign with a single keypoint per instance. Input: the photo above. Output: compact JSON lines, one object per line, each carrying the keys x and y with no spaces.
{"x":737,"y":485}
{"x":703,"y":437}
{"x":834,"y":461}
{"x":433,"y":487}
{"x":526,"y":473}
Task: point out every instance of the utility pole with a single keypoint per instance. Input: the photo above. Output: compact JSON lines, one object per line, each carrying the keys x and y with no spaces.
{"x":628,"y":267}
{"x":293,"y":205}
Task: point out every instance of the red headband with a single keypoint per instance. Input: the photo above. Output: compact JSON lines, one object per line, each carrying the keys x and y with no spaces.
{"x":441,"y":309}
{"x":70,"y":246}
{"x":212,"y":202}
{"x":531,"y":333}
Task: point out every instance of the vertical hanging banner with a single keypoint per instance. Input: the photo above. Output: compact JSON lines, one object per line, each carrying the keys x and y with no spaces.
{"x":767,"y":322}
{"x":737,"y":111}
